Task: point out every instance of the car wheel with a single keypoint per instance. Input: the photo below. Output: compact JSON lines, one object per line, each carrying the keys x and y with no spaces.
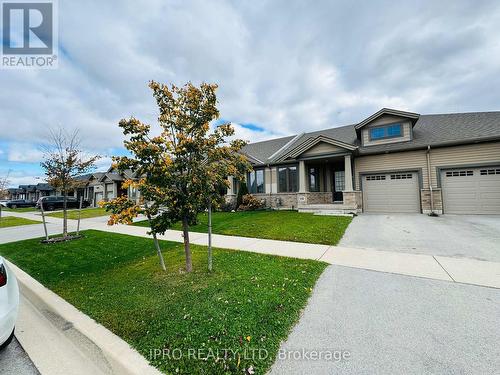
{"x":13,"y":206}
{"x":8,"y":341}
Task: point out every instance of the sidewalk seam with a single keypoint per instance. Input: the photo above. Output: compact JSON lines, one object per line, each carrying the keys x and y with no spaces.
{"x":444,"y":269}
{"x":322,"y":255}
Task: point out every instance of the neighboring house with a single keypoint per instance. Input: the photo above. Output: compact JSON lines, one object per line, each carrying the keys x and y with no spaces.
{"x":31,"y":192}
{"x":90,"y":188}
{"x":93,"y":187}
{"x":112,"y":182}
{"x":43,"y":190}
{"x":393,"y":161}
{"x":15,"y":193}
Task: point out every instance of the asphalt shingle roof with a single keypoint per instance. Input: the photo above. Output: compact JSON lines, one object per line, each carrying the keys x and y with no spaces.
{"x":433,"y":130}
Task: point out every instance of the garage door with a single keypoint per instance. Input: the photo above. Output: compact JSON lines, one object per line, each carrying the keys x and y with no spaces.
{"x":393,"y":192}
{"x":471,"y":191}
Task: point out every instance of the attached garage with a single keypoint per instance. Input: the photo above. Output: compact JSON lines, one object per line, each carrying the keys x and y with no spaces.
{"x":391,"y":192}
{"x":471,"y":190}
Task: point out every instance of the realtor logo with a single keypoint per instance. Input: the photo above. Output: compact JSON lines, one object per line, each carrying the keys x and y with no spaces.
{"x":29,"y":35}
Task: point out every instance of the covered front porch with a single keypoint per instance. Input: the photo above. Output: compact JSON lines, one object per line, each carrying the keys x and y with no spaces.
{"x":326,"y":185}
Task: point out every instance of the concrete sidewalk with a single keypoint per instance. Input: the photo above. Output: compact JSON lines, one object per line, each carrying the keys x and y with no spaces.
{"x":463,"y":270}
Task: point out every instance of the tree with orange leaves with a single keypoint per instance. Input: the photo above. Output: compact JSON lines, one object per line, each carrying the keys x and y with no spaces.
{"x":183,"y":168}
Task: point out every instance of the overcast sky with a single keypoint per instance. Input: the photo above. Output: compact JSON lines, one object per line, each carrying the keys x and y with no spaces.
{"x":282,"y":67}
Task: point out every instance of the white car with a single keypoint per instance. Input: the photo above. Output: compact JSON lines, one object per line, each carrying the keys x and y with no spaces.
{"x":9,"y":303}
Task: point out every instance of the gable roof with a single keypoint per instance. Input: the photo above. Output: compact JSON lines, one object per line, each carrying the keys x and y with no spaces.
{"x":266,"y":151}
{"x":309,"y":143}
{"x":388,"y":111}
{"x":428,"y":130}
{"x":446,"y":130}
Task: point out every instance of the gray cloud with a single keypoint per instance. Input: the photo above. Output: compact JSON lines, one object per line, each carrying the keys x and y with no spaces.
{"x":288,"y":66}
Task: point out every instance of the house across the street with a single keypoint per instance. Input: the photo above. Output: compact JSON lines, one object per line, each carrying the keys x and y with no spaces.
{"x":392,"y":161}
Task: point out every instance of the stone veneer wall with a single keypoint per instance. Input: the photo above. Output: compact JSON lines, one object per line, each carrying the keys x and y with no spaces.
{"x":230,"y":198}
{"x":281,"y":200}
{"x":316,"y":198}
{"x":425,"y":200}
{"x":354,"y":200}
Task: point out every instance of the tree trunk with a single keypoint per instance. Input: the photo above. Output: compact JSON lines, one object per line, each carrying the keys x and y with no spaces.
{"x":65,"y":214}
{"x":79,"y":216}
{"x":44,"y":222}
{"x":155,"y":239}
{"x":187,"y":249}
{"x":158,"y":250}
{"x":210,"y":236}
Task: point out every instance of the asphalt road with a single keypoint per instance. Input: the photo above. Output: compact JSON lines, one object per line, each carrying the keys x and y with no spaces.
{"x":15,"y":361}
{"x":394,"y":324}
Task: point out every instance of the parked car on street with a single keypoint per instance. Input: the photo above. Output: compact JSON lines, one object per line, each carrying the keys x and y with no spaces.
{"x":3,"y":202}
{"x":18,"y":203}
{"x":56,"y":203}
{"x":9,"y":304}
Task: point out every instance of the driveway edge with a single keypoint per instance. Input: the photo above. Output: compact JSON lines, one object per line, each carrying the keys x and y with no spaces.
{"x":115,"y":355}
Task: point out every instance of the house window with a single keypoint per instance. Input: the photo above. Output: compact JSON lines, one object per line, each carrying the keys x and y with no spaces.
{"x":288,"y":179}
{"x":382,"y":132}
{"x":459,"y":173}
{"x":132,"y":192}
{"x":489,"y":171}
{"x":313,"y":179}
{"x":339,"y":181}
{"x":235,"y":185}
{"x":256,"y":181}
{"x":404,"y":176}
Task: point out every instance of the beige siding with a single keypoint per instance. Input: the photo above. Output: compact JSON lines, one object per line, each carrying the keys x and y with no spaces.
{"x":476,"y":154}
{"x":400,"y":161}
{"x":464,"y":155}
{"x":323,"y":148}
{"x":407,"y":129}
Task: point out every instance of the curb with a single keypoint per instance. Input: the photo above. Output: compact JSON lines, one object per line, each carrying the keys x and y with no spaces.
{"x":114,"y":355}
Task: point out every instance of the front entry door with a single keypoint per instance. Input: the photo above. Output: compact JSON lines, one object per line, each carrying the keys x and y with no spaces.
{"x":338,"y":185}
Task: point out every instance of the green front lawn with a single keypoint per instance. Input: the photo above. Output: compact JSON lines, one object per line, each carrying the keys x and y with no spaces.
{"x":11,"y":221}
{"x":86,"y":213}
{"x":21,"y":209}
{"x":250,"y":301}
{"x":275,"y":225}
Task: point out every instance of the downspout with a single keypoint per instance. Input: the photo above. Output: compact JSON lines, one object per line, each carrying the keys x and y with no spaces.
{"x":432,"y":213}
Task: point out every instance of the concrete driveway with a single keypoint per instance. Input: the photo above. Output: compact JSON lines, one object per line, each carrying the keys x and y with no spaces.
{"x":470,"y":236}
{"x":393,"y":324}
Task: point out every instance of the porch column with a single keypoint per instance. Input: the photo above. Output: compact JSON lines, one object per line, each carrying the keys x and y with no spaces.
{"x":302,"y":176}
{"x":348,"y":173}
{"x":230,"y":188}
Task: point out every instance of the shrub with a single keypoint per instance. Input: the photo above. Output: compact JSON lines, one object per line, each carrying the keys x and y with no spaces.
{"x":243,"y":190}
{"x":228,"y":206}
{"x":250,"y":203}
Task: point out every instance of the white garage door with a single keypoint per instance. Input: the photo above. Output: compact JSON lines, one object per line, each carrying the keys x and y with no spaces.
{"x":392,"y":192}
{"x":471,"y":191}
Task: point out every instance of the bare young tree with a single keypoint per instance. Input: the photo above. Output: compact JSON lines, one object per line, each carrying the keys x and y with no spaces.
{"x":4,"y":183}
{"x":63,"y":162}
